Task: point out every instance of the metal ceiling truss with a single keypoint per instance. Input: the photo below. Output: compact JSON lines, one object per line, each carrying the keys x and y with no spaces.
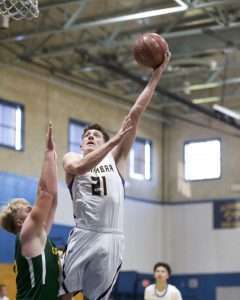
{"x":57,"y":41}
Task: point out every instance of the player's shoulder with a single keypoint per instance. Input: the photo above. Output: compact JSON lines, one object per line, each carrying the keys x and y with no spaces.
{"x":174,"y":289}
{"x":150,"y":287}
{"x":71,"y":155}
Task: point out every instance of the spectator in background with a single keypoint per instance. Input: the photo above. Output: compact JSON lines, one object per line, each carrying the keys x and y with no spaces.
{"x":162,"y":289}
{"x":3,"y":292}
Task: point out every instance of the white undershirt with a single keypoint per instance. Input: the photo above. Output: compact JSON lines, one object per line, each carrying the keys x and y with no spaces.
{"x":170,"y":293}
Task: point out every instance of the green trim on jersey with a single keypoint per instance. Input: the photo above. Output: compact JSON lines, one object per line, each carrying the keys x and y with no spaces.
{"x":37,"y":277}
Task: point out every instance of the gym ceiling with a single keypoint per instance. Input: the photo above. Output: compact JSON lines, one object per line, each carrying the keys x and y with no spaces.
{"x":88,"y":45}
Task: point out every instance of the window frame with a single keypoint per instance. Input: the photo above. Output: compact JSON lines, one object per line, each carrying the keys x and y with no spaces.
{"x":131,"y":172}
{"x":15,"y":105}
{"x":75,"y":122}
{"x":202,"y":141}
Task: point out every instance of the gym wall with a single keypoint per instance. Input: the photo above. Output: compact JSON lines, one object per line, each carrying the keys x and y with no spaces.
{"x":45,"y":100}
{"x":166,"y":219}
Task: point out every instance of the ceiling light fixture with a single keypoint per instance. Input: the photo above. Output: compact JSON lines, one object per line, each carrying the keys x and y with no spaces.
{"x":205,"y":100}
{"x":226,"y":111}
{"x":151,"y":13}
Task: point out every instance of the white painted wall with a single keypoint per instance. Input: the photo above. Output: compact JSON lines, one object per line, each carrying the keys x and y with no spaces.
{"x":64,"y":212}
{"x":195,"y":247}
{"x":143,"y":235}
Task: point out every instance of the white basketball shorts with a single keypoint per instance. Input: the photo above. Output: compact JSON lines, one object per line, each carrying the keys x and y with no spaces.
{"x":91,"y":263}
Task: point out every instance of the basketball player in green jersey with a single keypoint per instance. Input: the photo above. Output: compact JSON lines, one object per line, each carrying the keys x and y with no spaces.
{"x":36,"y":258}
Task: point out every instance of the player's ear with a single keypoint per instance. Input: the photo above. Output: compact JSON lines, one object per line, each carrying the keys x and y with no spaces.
{"x":81,"y":146}
{"x":19,"y":223}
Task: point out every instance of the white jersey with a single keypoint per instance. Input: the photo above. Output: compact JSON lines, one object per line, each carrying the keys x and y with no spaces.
{"x":98,"y":198}
{"x":171,"y":293}
{"x":95,"y":247}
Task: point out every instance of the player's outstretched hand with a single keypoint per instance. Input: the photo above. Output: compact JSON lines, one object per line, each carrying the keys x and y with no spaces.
{"x":158,"y":71}
{"x":124,"y":130}
{"x":49,"y":143}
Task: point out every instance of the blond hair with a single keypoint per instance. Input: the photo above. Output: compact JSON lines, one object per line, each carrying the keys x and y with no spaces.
{"x":8,"y":214}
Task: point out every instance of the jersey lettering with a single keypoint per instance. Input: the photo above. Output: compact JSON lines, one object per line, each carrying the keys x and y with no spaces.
{"x":103,"y":169}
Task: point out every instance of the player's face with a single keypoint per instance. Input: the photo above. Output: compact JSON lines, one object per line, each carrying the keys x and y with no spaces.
{"x":23,"y":212}
{"x":161,"y":273}
{"x":93,"y":139}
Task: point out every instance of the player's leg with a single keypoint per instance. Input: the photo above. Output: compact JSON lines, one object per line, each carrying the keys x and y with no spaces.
{"x":103,"y":268}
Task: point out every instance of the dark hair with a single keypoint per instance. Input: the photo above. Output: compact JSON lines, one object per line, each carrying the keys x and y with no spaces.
{"x":98,"y":127}
{"x":164,"y":265}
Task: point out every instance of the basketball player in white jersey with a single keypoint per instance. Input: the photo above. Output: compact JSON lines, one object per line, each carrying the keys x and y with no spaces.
{"x":162,"y":289}
{"x":95,"y":246}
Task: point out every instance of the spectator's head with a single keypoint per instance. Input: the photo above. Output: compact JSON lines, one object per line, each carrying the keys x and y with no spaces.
{"x":3,"y":290}
{"x":162,"y":271}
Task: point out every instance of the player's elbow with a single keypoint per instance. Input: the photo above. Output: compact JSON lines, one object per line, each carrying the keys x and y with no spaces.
{"x":135,"y":114}
{"x":48,"y":194}
{"x":70,"y":167}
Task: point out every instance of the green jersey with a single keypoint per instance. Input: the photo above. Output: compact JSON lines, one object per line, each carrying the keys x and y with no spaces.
{"x":37,"y":277}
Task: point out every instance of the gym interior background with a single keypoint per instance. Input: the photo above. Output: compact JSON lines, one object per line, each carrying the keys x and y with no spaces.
{"x":73,"y":65}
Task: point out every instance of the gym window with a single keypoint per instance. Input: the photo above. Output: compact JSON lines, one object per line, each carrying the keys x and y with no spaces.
{"x":75,"y":132}
{"x":11,"y":125}
{"x":202,"y":160}
{"x":140,"y":160}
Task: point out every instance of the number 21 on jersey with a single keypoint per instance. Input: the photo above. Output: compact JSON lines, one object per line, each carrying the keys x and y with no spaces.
{"x":99,"y":187}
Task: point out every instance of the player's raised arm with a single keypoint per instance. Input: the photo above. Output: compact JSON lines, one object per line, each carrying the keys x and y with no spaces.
{"x":52,"y":185}
{"x":39,"y":221}
{"x":121,"y":151}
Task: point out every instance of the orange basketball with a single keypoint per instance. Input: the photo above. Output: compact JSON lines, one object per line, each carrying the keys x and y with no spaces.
{"x":149,"y":50}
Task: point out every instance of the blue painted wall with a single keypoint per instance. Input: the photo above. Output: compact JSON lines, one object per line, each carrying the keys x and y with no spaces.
{"x":58,"y":234}
{"x":14,"y":186}
{"x":130,"y":285}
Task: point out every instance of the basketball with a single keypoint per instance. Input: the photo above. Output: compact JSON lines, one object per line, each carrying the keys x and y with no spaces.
{"x":149,"y":50}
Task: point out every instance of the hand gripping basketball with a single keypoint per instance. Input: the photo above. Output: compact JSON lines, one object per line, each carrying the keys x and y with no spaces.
{"x":149,"y":50}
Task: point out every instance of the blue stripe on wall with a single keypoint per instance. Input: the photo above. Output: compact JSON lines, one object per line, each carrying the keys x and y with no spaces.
{"x":59,"y":235}
{"x":13,"y":186}
{"x":16,"y":186}
{"x":192,"y":286}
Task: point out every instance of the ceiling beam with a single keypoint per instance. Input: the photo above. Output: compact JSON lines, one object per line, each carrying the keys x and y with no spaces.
{"x":209,"y":85}
{"x":164,"y":92}
{"x":128,"y":42}
{"x":107,"y":21}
